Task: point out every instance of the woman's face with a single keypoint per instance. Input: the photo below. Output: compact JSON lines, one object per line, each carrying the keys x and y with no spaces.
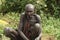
{"x":29,"y":12}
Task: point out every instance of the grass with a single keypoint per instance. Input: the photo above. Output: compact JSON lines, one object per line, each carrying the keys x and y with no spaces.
{"x":12,"y":21}
{"x":50,"y":25}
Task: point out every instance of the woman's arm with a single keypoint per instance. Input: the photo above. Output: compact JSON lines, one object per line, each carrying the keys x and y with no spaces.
{"x":20,"y":28}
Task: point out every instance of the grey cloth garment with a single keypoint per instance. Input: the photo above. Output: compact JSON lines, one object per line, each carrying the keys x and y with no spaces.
{"x":14,"y":35}
{"x":35,"y":30}
{"x":32,"y":20}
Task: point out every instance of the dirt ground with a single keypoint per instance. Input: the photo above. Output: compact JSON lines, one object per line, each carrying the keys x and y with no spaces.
{"x":48,"y":37}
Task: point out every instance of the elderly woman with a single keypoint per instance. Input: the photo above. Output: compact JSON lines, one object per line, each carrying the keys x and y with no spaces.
{"x":29,"y":26}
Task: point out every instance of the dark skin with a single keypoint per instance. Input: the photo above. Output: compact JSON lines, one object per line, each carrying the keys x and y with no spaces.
{"x":29,"y":26}
{"x":29,"y":11}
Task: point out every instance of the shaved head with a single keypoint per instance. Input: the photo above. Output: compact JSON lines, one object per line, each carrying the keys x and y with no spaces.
{"x":29,"y":9}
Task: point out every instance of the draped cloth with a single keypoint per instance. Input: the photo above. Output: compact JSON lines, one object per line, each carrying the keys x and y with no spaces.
{"x":26,"y":28}
{"x":31,"y":33}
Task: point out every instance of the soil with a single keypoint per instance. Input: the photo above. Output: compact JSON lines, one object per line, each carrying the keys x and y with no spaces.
{"x":48,"y":37}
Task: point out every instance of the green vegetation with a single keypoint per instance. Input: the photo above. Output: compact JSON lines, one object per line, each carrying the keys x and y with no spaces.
{"x":49,"y":10}
{"x":50,"y":25}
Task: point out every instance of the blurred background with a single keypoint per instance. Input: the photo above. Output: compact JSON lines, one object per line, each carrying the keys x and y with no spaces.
{"x":49,"y":10}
